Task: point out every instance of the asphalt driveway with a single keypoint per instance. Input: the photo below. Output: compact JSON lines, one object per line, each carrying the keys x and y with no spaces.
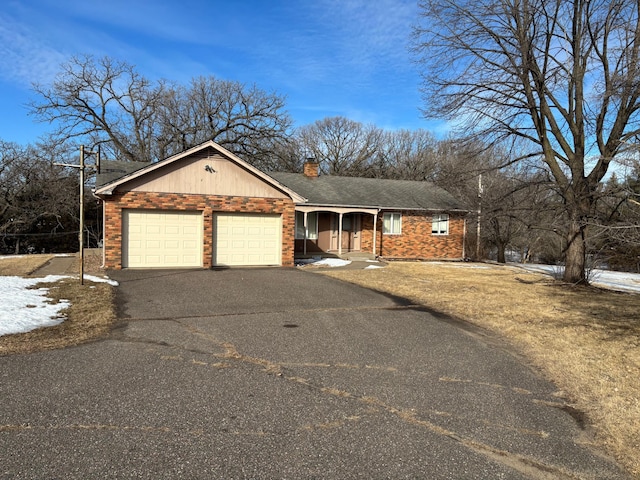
{"x":282,"y":373}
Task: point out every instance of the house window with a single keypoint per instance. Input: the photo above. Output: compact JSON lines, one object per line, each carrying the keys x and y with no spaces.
{"x":440,"y":224}
{"x":392,"y":223}
{"x":312,"y":225}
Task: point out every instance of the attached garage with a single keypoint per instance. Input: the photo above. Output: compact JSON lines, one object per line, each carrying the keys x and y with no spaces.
{"x":200,"y":208}
{"x":247,"y":239}
{"x":165,"y":239}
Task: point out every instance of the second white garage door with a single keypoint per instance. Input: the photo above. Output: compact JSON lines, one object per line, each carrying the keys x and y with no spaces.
{"x":247,"y":239}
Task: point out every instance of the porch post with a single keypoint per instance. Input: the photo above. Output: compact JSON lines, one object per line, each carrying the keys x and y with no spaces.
{"x":340,"y":235}
{"x":464,"y":239}
{"x":304,"y":248}
{"x":375,"y":226}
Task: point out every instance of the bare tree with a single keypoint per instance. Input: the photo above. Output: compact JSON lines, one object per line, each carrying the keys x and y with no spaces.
{"x":561,"y":74}
{"x":341,"y":146}
{"x":103,"y":101}
{"x":37,"y":199}
{"x":407,"y":155}
{"x":245,"y":120}
{"x":616,"y":228}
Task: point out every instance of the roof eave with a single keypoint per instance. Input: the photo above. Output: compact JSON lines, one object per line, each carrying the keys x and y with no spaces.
{"x":338,"y":205}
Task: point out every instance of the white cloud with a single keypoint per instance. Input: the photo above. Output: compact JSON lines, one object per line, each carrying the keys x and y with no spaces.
{"x":26,"y":58}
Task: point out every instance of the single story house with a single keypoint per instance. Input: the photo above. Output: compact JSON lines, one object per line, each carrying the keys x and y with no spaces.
{"x":206,"y":207}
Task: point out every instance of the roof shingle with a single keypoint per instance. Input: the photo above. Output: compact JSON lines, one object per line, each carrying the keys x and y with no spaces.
{"x":370,"y":192}
{"x":111,"y":170}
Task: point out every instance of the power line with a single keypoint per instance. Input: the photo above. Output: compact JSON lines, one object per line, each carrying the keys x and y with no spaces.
{"x":51,"y":234}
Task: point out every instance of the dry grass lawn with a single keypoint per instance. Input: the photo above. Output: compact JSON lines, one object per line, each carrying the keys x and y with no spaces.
{"x":21,"y":266}
{"x":586,"y":340}
{"x":90,"y":315}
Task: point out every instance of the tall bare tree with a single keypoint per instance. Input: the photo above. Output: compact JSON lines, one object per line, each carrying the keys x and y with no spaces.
{"x":560,"y":74}
{"x":408,"y":155}
{"x":341,"y":146}
{"x":245,"y":120}
{"x":102,"y":102}
{"x":108,"y":102}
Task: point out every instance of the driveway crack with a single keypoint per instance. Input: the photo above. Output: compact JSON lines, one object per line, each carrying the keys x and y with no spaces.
{"x":525,"y":465}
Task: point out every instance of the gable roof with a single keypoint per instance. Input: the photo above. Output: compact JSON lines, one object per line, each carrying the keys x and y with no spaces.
{"x":328,"y":190}
{"x":118,"y":173}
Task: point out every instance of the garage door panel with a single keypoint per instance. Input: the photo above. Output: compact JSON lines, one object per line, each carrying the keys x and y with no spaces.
{"x":247,"y":239}
{"x":162,"y":239}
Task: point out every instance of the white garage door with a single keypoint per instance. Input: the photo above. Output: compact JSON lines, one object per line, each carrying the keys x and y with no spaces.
{"x":161,"y":239}
{"x":247,"y":239}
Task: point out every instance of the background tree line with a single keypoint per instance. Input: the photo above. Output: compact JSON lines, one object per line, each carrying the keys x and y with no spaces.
{"x":107,"y":103}
{"x":39,"y":201}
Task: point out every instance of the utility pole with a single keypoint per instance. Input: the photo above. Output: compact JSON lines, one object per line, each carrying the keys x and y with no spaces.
{"x":82,"y":167}
{"x":480,"y":190}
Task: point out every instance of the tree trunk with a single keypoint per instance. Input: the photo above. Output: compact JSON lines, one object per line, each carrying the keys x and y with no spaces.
{"x":501,"y":253}
{"x":575,"y":255}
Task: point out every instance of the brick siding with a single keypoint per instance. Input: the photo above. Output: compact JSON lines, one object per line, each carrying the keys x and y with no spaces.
{"x":207,"y":204}
{"x":416,"y":240}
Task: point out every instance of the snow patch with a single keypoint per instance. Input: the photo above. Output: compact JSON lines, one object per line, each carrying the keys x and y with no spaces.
{"x":323,"y":262}
{"x":621,"y":281}
{"x":23,"y":309}
{"x":94,"y":279}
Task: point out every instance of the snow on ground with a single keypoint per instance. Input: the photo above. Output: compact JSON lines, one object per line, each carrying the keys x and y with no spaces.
{"x":323,"y":262}
{"x":94,"y":279}
{"x":23,"y":308}
{"x":621,"y":281}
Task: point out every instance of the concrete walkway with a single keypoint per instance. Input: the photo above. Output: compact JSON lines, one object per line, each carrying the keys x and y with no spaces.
{"x":67,"y":264}
{"x":62,"y":265}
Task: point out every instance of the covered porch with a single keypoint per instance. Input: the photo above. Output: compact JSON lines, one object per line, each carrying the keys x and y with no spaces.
{"x":340,"y":231}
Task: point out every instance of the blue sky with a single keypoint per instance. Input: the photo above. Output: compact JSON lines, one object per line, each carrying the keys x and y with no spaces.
{"x":328,"y":57}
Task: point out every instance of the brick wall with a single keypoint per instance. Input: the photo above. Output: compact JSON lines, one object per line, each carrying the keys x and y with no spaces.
{"x":416,"y":240}
{"x":208,"y":204}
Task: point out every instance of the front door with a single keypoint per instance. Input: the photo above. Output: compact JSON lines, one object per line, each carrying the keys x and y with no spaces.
{"x":351,"y":232}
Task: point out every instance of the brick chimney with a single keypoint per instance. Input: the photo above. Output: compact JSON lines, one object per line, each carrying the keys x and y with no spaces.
{"x":311,"y":169}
